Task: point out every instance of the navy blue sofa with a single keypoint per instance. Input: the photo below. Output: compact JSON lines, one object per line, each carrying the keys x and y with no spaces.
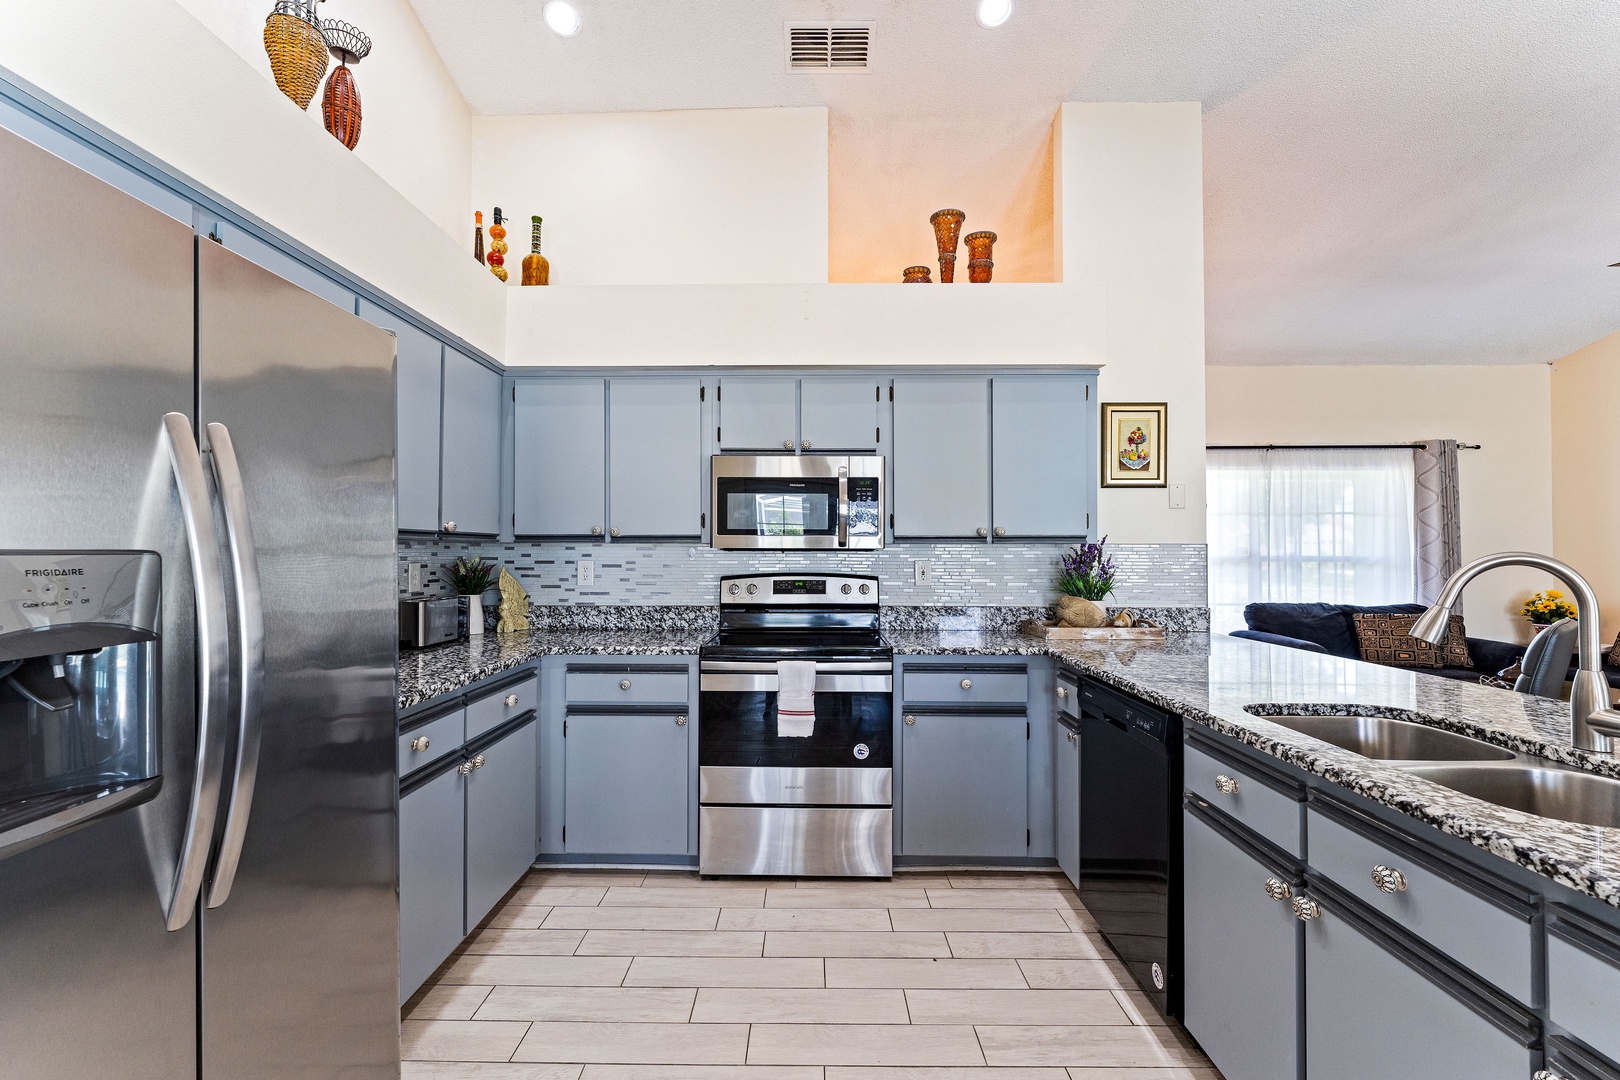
{"x":1329,"y":628}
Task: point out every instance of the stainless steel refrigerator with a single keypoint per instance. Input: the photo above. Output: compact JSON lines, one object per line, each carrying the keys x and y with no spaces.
{"x":197,"y":811}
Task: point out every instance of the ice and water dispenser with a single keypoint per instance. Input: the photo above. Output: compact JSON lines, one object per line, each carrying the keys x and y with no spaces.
{"x":79,"y":675}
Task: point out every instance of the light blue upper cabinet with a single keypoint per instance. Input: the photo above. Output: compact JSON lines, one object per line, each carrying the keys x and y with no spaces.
{"x":416,"y":419}
{"x":839,"y":412}
{"x":941,"y":456}
{"x":655,"y":457}
{"x":758,"y":413}
{"x":560,"y":468}
{"x":1045,"y":455}
{"x":470,"y":459}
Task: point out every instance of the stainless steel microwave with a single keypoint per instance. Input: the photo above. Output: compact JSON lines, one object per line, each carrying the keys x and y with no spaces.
{"x":787,"y":503}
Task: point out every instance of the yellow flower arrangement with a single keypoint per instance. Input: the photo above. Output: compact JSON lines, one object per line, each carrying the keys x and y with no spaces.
{"x":1548,"y":607}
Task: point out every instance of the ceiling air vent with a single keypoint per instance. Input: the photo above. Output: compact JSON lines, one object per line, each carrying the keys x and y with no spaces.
{"x":839,"y":46}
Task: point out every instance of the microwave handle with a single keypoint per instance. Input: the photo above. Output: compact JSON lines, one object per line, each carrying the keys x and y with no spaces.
{"x":843,"y":506}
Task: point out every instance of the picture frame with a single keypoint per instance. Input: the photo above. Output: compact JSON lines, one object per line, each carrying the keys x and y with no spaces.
{"x":1133,"y":444}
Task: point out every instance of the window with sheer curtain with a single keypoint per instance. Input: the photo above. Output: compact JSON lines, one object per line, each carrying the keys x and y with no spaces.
{"x":1308,"y":525}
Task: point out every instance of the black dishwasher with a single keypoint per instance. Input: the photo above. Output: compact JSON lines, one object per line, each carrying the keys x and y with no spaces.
{"x":1130,"y":835}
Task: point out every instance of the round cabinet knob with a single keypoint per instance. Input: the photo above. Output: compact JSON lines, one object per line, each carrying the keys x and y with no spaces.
{"x":465,"y":768}
{"x":911,"y":721}
{"x":1547,"y":1074}
{"x":787,"y":444}
{"x":624,"y":684}
{"x":734,"y":589}
{"x":1225,"y":784}
{"x":865,"y":589}
{"x":845,"y":589}
{"x":1063,"y":692}
{"x":511,"y":700}
{"x":967,"y":684}
{"x":1278,"y":889}
{"x":752,"y":589}
{"x":680,"y":721}
{"x":983,"y":531}
{"x":449,"y":526}
{"x":613,"y":531}
{"x":805,"y":445}
{"x":1306,"y":909}
{"x":478,"y":762}
{"x":1072,"y":736}
{"x":1388,"y":879}
{"x":596,"y":530}
{"x":420,"y":744}
{"x":1000,"y":531}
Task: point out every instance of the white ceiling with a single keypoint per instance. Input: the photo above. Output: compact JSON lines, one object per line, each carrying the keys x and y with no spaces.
{"x":1386,"y":181}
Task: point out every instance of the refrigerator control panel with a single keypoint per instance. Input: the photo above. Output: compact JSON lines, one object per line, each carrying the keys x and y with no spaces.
{"x":55,"y":602}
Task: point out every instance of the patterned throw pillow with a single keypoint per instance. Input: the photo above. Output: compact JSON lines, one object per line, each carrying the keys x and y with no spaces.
{"x":1388,"y":640}
{"x":1614,"y":653}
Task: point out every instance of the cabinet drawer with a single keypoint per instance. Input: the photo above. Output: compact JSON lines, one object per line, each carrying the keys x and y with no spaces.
{"x":1271,"y":813}
{"x":1068,"y":695}
{"x":1583,"y":980}
{"x":630,"y":686}
{"x":431,"y":741}
{"x":969,"y":687}
{"x":493,"y":710}
{"x":1477,"y":933}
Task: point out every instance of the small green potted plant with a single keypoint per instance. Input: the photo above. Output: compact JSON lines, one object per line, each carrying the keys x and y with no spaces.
{"x":471,"y":577}
{"x":1085,"y":580}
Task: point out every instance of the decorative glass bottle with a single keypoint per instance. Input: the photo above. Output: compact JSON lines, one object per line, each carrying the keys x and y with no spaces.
{"x":478,"y":235}
{"x":497,"y":246}
{"x":536,"y":267}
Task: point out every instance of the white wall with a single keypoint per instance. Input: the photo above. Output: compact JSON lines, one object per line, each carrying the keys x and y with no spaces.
{"x":151,"y":73}
{"x":1130,"y":217}
{"x":417,"y":130}
{"x":1586,"y":481}
{"x":722,"y":196}
{"x":1506,"y":485}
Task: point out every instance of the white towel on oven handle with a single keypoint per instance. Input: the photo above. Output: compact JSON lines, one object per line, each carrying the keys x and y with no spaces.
{"x":795,"y":699}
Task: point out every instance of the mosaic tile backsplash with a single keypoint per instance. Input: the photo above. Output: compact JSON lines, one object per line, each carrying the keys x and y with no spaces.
{"x":961,"y":575}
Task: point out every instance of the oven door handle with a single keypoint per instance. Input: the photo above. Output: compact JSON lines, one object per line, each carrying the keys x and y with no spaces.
{"x":768,"y":667}
{"x":825,"y":684}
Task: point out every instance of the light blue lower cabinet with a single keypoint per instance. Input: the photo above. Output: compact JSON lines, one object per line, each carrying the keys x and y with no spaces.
{"x":626,"y":783}
{"x":1241,"y":961}
{"x":432,"y":834}
{"x":964,"y":785}
{"x":1583,"y":979}
{"x":501,"y":838}
{"x":1371,"y":1015}
{"x":1066,"y":799}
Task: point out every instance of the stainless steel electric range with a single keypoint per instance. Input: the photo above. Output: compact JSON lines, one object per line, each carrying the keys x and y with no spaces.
{"x":821,"y":805}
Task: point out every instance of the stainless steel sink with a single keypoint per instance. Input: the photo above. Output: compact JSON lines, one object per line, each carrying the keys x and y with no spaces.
{"x":1564,"y":794}
{"x":1392,"y":740}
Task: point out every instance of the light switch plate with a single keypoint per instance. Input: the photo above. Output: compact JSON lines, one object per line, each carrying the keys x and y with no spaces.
{"x":923,"y":573}
{"x":413,"y":577}
{"x":1178,"y":496}
{"x":586,"y":571}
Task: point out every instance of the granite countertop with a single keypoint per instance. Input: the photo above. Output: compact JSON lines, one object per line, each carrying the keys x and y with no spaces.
{"x":1213,"y":681}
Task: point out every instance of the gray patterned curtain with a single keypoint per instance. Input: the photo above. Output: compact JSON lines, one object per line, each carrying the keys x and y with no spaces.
{"x":1436,"y":517}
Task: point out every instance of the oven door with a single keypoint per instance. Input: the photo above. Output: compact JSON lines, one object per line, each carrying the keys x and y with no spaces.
{"x":847,"y":760}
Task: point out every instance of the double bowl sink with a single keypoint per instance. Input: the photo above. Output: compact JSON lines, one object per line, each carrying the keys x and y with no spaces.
{"x":1473,"y":767}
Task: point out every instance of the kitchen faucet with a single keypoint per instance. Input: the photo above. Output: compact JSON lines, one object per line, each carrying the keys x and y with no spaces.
{"x":1593,"y":724}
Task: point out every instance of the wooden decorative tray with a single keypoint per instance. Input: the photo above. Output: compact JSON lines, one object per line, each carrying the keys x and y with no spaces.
{"x":1053,"y":632}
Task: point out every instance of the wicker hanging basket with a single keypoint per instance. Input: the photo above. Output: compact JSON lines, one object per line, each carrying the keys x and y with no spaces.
{"x":297,"y":50}
{"x":340,"y":107}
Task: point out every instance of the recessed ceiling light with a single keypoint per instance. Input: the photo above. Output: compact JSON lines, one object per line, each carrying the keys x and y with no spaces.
{"x":564,"y":20}
{"x":992,"y":13}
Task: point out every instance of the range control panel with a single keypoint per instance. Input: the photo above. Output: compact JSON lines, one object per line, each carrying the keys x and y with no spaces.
{"x":77,"y":601}
{"x":768,"y":589}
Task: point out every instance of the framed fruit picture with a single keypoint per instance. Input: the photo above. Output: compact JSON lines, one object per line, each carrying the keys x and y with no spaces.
{"x":1133,"y":444}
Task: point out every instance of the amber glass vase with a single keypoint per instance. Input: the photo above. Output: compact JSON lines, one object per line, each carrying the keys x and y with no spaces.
{"x":916,"y":275}
{"x":980,"y":265}
{"x":947,"y":226}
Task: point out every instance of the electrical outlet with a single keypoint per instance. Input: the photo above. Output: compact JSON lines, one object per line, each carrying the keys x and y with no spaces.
{"x":413,"y":577}
{"x":923,"y":573}
{"x":1178,"y":496}
{"x":586,"y":571}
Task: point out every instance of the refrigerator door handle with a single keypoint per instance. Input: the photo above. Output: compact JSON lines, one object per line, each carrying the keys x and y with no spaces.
{"x":249,"y":661}
{"x":213,"y":674}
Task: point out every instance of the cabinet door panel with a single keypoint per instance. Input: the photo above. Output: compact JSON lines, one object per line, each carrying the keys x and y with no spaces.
{"x":418,"y":357}
{"x":1045,"y":455}
{"x":941,"y":456}
{"x":839,"y":413}
{"x":965,"y":785}
{"x":758,"y":413}
{"x":501,"y":815}
{"x":1369,"y":1016}
{"x":655,"y":456}
{"x":431,"y":837}
{"x":470,"y":473}
{"x":1066,"y":799}
{"x":626,"y":784}
{"x":560,"y":468}
{"x":1240,"y":970}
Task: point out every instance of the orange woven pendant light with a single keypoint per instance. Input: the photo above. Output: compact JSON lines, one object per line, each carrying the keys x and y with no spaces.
{"x":340,"y":104}
{"x":297,"y":50}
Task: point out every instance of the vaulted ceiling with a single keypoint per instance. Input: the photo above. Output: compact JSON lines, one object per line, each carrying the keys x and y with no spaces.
{"x":1386,"y":181}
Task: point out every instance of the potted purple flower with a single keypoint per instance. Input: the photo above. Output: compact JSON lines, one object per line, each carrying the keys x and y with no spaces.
{"x":1086,"y":579}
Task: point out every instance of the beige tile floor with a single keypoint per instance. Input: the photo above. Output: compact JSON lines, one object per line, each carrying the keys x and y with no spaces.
{"x":626,"y":975}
